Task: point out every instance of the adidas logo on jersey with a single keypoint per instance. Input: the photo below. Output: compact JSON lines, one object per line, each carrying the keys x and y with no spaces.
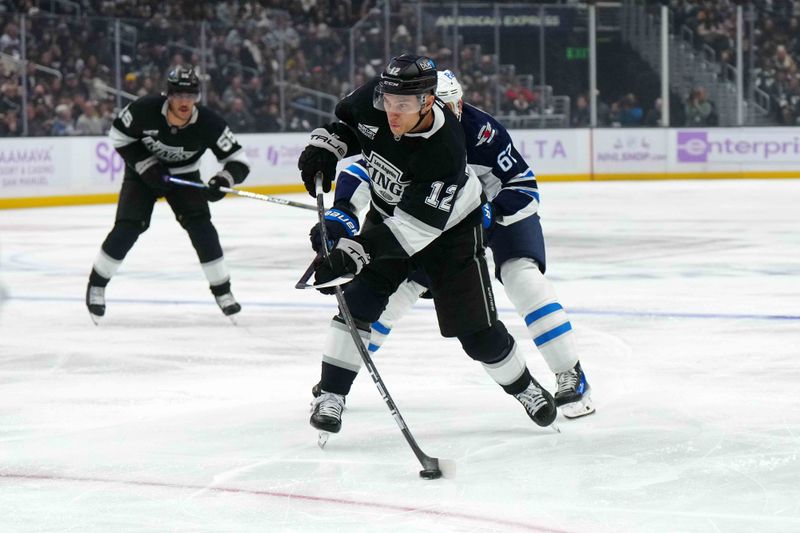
{"x":368,"y":131}
{"x":486,"y":135}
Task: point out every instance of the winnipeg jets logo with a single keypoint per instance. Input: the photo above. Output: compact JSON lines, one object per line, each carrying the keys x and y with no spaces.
{"x":165,"y":152}
{"x":387,"y":179}
{"x":368,"y":131}
{"x":486,"y":135}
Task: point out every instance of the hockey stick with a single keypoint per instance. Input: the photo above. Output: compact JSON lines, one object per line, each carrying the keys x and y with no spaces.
{"x":246,"y":194}
{"x":432,"y":467}
{"x":302,"y":283}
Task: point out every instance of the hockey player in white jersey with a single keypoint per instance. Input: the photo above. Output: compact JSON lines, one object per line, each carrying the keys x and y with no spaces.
{"x":514,"y":234}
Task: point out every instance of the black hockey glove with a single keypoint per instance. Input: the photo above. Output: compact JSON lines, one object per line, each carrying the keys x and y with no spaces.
{"x":223,"y":178}
{"x":324,"y":150}
{"x":156,"y":176}
{"x":339,"y":223}
{"x":348,"y":257}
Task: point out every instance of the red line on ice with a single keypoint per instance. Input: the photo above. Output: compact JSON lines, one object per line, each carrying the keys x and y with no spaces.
{"x":323,"y":499}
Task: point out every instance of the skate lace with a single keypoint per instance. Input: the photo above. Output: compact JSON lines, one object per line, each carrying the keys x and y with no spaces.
{"x":97,"y":296}
{"x":225,"y":300}
{"x":330,"y":404}
{"x":567,"y":381}
{"x":532,"y":398}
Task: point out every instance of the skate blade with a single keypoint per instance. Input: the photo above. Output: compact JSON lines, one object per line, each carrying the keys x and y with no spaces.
{"x":232,"y":318}
{"x":322,"y":439}
{"x":555,"y":427}
{"x":95,"y":318}
{"x":582,"y":407}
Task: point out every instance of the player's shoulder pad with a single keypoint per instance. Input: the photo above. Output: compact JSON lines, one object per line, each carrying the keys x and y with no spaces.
{"x":481,"y":129}
{"x":358,"y":103}
{"x":209,"y":118}
{"x":152,"y":103}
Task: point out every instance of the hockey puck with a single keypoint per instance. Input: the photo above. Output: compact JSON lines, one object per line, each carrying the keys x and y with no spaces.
{"x":430,"y":474}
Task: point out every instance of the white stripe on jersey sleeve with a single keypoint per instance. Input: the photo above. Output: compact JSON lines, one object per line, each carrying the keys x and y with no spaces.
{"x":468,"y":200}
{"x":412,"y":234}
{"x":491,"y":184}
{"x":239,"y":156}
{"x":528,"y":175}
{"x":119,"y":139}
{"x":530,"y":209}
{"x":362,"y":195}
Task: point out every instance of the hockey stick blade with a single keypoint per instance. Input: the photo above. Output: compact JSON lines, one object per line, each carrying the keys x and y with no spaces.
{"x":244,"y":194}
{"x":341,"y":280}
{"x":302,"y":283}
{"x":433,"y":468}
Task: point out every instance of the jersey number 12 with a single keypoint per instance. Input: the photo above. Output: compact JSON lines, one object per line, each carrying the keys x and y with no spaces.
{"x":436,"y":190}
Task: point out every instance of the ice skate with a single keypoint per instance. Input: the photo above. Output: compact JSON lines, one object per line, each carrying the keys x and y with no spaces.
{"x":316,"y":390}
{"x":326,"y":415}
{"x":228,"y":304}
{"x":573,"y":396}
{"x":96,"y":302}
{"x":539,"y":404}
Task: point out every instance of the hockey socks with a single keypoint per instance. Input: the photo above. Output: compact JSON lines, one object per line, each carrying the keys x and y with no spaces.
{"x":535,"y":300}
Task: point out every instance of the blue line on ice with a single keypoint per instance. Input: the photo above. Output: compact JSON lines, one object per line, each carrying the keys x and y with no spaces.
{"x":296,"y":305}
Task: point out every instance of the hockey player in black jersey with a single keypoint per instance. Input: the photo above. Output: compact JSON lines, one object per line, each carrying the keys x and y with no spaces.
{"x":514,"y":236}
{"x":159,"y":137}
{"x":425,"y":213}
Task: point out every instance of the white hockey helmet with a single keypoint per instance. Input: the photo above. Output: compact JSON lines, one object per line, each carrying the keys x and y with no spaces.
{"x":448,"y":90}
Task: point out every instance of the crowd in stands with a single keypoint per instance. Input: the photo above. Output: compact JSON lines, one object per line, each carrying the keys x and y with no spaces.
{"x":71,"y":73}
{"x":775,"y":45}
{"x":255,"y":44}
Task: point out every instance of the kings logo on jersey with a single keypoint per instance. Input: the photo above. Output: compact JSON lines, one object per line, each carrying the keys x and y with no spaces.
{"x":386,"y":178}
{"x":165,"y":152}
{"x":486,"y":134}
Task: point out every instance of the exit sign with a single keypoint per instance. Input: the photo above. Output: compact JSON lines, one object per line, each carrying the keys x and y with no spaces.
{"x":577,"y":52}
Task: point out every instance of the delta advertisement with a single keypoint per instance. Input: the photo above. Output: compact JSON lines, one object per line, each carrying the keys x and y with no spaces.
{"x":555,"y":154}
{"x":79,"y":167}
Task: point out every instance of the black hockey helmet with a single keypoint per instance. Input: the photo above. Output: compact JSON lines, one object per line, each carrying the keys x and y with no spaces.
{"x":409,"y":74}
{"x":406,"y":75}
{"x":183,"y":79}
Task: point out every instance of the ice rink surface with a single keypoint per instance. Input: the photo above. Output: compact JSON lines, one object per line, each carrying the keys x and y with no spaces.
{"x":684,"y":296}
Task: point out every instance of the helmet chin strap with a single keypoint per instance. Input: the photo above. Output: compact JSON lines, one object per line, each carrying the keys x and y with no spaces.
{"x":421,"y":118}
